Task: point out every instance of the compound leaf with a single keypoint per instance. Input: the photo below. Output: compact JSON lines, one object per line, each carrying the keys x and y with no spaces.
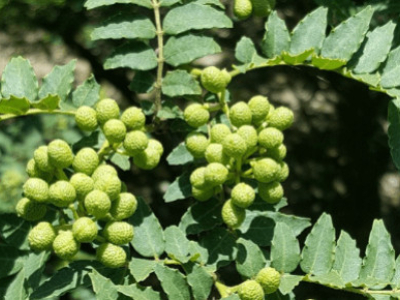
{"x":173,"y":283}
{"x":179,"y":83}
{"x":276,"y":38}
{"x":250,"y":259}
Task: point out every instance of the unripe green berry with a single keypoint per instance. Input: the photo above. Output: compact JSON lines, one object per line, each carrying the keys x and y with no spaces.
{"x":243,"y":195}
{"x":65,"y":246}
{"x":202,"y":194}
{"x":271,"y":193}
{"x":97,"y":203}
{"x":196,"y":143}
{"x":83,"y":184}
{"x":133,"y":118}
{"x":62,"y":193}
{"x":249,"y":134}
{"x":41,"y":236}
{"x":259,"y":107}
{"x":33,"y":171}
{"x":234,"y":146}
{"x":240,"y":114}
{"x":114,"y":131}
{"x":60,"y":154}
{"x":110,"y":184}
{"x":215,"y":174}
{"x":30,"y":210}
{"x":277,"y":153}
{"x":36,"y":189}
{"x":251,"y":290}
{"x":110,"y":255}
{"x":265,"y":170}
{"x":197,"y":178}
{"x":147,"y":159}
{"x":135,"y":142}
{"x":86,"y":161}
{"x":118,"y":232}
{"x":124,"y":206}
{"x":283,"y":173}
{"x":156,"y":145}
{"x":107,"y":109}
{"x":42,"y":159}
{"x":86,"y":118}
{"x":215,"y":153}
{"x":219,"y":132}
{"x":269,"y":279}
{"x":232,"y":215}
{"x":270,"y":138}
{"x":214,"y":79}
{"x":242,"y":9}
{"x":84,"y":230}
{"x":196,"y":115}
{"x":262,"y":8}
{"x":103,"y":170}
{"x":282,"y":118}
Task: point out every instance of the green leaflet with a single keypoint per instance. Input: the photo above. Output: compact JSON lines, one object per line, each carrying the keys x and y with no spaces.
{"x":179,"y":156}
{"x":276,"y":38}
{"x":176,"y":244}
{"x":246,"y":53}
{"x":103,"y":287}
{"x":141,"y":268}
{"x":11,"y":260}
{"x":289,"y":282}
{"x":180,"y":189}
{"x":14,"y":231}
{"x":90,"y":4}
{"x":250,"y":259}
{"x":395,"y":282}
{"x":179,"y":83}
{"x":137,"y":292}
{"x":88,"y":93}
{"x":16,"y":289}
{"x":122,"y":161}
{"x":391,"y":71}
{"x":199,"y":279}
{"x":14,"y":105}
{"x":296,"y":59}
{"x":331,"y":279}
{"x":142,"y":82}
{"x":327,"y":63}
{"x":51,"y":102}
{"x":173,"y":283}
{"x":33,"y":266}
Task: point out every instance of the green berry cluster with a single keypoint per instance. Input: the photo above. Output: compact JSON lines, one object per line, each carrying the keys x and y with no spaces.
{"x":248,"y":149}
{"x":88,"y":198}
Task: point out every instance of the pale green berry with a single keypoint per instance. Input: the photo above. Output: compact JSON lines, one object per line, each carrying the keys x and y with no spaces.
{"x":62,"y":193}
{"x":97,"y":203}
{"x":240,"y":114}
{"x":65,"y":246}
{"x":36,"y":189}
{"x":271,"y":193}
{"x":156,"y":145}
{"x":110,"y":184}
{"x":102,"y":170}
{"x":133,"y":118}
{"x":86,"y":118}
{"x":41,"y":236}
{"x":232,"y":215}
{"x":282,"y":118}
{"x":215,"y":174}
{"x":242,"y":9}
{"x":203,"y":194}
{"x":118,"y":232}
{"x":107,"y":109}
{"x":60,"y":154}
{"x":197,"y":178}
{"x":33,"y":171}
{"x":214,"y":79}
{"x":215,"y":153}
{"x":82,"y":183}
{"x":196,"y":143}
{"x":196,"y":115}
{"x":259,"y":107}
{"x":251,"y":290}
{"x":114,"y":131}
{"x":269,"y":279}
{"x":86,"y":161}
{"x":270,"y":138}
{"x":84,"y":230}
{"x":283,"y":173}
{"x":234,"y":146}
{"x":262,"y":8}
{"x":110,"y":255}
{"x":42,"y":159}
{"x":219,"y":132}
{"x":135,"y":142}
{"x":243,"y":195}
{"x":265,"y":170}
{"x":249,"y":134}
{"x":30,"y":210}
{"x":147,"y":159}
{"x":124,"y":206}
{"x":277,"y":153}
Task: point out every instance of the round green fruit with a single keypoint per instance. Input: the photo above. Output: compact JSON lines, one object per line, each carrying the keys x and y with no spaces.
{"x":133,"y":118}
{"x":251,"y":290}
{"x":65,"y":246}
{"x":86,"y":118}
{"x":283,"y":173}
{"x":215,"y":174}
{"x":82,"y":183}
{"x":242,"y":9}
{"x":196,"y":143}
{"x":269,"y":279}
{"x":62,"y":193}
{"x":42,"y":159}
{"x":107,"y":109}
{"x":196,"y":115}
{"x":124,"y":206}
{"x":97,"y":204}
{"x":265,"y":170}
{"x":41,"y":236}
{"x":259,"y":107}
{"x":135,"y":142}
{"x":219,"y":132}
{"x":110,"y":184}
{"x":110,"y":255}
{"x":282,"y":118}
{"x":240,"y":114}
{"x":60,"y":154}
{"x":103,"y":170}
{"x":242,"y":195}
{"x":114,"y":131}
{"x":262,"y":8}
{"x":86,"y":161}
{"x":156,"y":145}
{"x":215,"y":153}
{"x":84,"y":230}
{"x":147,"y":159}
{"x":30,"y":210}
{"x":234,"y":146}
{"x":118,"y":232}
{"x":202,"y":194}
{"x":270,"y":138}
{"x":271,"y":193}
{"x":232,"y":215}
{"x":214,"y":79}
{"x":249,"y":134}
{"x":36,"y":189}
{"x":33,"y":171}
{"x":197,"y":178}
{"x":277,"y":153}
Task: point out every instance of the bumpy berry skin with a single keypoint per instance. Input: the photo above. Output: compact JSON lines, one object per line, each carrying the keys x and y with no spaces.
{"x":133,"y":118}
{"x":147,"y":159}
{"x":214,"y":79}
{"x":196,"y":143}
{"x":107,"y":109}
{"x":41,"y":236}
{"x":196,"y":115}
{"x":124,"y":206}
{"x":242,"y":9}
{"x":215,"y":174}
{"x":219,"y":132}
{"x":265,"y":170}
{"x":259,"y":107}
{"x":97,"y":203}
{"x":84,"y":230}
{"x":83,"y":184}
{"x":269,"y":279}
{"x":243,"y":195}
{"x":232,"y":215}
{"x":202,"y":194}
{"x":115,"y":131}
{"x":36,"y":189}
{"x":249,"y":134}
{"x":65,"y":246}
{"x":283,"y":173}
{"x":62,"y":193}
{"x":251,"y":290}
{"x":60,"y":154}
{"x":262,"y":8}
{"x":118,"y":232}
{"x":30,"y":210}
{"x":33,"y":171}
{"x":271,"y":193}
{"x":135,"y":142}
{"x":282,"y":118}
{"x":240,"y":114}
{"x":109,"y":184}
{"x":110,"y":255}
{"x":234,"y":146}
{"x":197,"y":178}
{"x":277,"y":153}
{"x":86,"y":118}
{"x":215,"y":153}
{"x":103,"y":170}
{"x":270,"y":138}
{"x":86,"y":161}
{"x":42,"y":159}
{"x":156,"y":145}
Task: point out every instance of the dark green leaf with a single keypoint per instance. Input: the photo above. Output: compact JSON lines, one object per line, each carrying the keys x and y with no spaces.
{"x":179,"y":156}
{"x":138,"y":292}
{"x":176,"y":244}
{"x":16,"y":290}
{"x":103,"y":287}
{"x":141,"y":268}
{"x":88,"y":93}
{"x":179,"y":83}
{"x":200,"y":280}
{"x":143,"y":82}
{"x":14,"y":231}
{"x":34,"y":266}
{"x":50,"y":102}
{"x":169,"y":110}
{"x":394,"y":131}
{"x":288,"y":283}
{"x":173,"y":283}
{"x":11,"y":260}
{"x":14,"y":105}
{"x":180,"y":189}
{"x":90,"y":4}
{"x":258,"y":228}
{"x":250,"y":259}
{"x":276,"y":38}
